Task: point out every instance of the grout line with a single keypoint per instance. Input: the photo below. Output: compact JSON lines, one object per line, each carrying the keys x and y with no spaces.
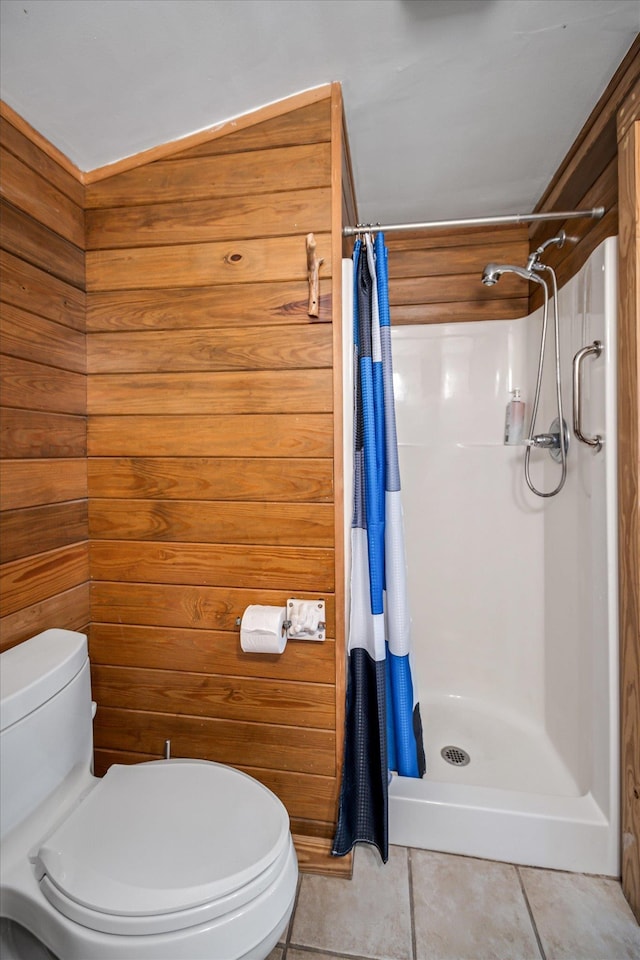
{"x":414,"y":953}
{"x":531,"y":917}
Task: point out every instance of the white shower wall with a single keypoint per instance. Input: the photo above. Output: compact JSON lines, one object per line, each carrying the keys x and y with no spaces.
{"x":475,"y":538}
{"x":513,"y":597}
{"x":580,"y":565}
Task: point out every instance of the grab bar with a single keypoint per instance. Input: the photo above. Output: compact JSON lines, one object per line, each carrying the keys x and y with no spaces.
{"x":593,"y":350}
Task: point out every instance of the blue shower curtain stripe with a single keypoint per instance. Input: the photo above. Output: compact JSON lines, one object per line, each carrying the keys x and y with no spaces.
{"x":383,"y":730}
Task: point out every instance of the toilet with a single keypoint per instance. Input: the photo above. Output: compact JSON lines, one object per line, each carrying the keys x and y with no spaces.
{"x":167,"y":860}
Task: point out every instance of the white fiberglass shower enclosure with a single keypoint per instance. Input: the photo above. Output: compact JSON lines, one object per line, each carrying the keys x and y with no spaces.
{"x":513,"y":597}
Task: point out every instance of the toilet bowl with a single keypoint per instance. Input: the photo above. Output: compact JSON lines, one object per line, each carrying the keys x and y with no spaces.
{"x":168,"y":860}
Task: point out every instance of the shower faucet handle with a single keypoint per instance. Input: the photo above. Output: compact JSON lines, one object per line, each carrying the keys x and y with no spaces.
{"x":545,"y":441}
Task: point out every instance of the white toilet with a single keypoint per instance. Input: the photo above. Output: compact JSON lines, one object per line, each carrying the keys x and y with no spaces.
{"x":168,"y":860}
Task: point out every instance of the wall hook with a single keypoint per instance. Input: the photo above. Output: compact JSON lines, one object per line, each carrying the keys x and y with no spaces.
{"x":313,"y":270}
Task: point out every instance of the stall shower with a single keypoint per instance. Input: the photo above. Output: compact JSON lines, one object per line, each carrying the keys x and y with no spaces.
{"x":513,"y":596}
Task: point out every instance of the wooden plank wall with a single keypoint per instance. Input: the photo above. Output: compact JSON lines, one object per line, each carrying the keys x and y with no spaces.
{"x":43,"y":478}
{"x":435,"y":275}
{"x":211,"y":456}
{"x":628,"y":487}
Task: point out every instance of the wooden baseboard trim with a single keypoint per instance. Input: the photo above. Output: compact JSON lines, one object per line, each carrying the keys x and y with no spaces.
{"x":314,"y":856}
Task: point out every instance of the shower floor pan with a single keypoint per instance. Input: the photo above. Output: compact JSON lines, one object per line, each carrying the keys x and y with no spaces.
{"x":514,"y":801}
{"x":504,"y":752}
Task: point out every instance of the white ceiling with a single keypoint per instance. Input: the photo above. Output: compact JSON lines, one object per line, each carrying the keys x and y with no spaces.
{"x":454,"y":107}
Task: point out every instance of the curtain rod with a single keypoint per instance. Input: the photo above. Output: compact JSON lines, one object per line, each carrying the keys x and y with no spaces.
{"x":594,"y":214}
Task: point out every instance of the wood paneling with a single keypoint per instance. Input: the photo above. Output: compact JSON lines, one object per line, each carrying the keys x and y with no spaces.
{"x":41,"y":576}
{"x":40,"y":246}
{"x":254,"y":391}
{"x":205,"y":178}
{"x":32,"y":483}
{"x":252,"y":348}
{"x":35,"y":338}
{"x":200,"y":607}
{"x":36,"y":291}
{"x":211,"y":478}
{"x":27,"y":434}
{"x":255,"y":435}
{"x":446,"y":261}
{"x":349,"y":206}
{"x":43,"y":519}
{"x":583,"y":235}
{"x":227,"y":306}
{"x":460,"y":311}
{"x":267,"y":215}
{"x":260,"y":745}
{"x":435,"y":275}
{"x":314,"y":856}
{"x":260,"y":700}
{"x":57,"y":524}
{"x":212,"y":521}
{"x":42,"y":152}
{"x":212,"y":455}
{"x":452,"y":289}
{"x":306,"y":795}
{"x":200,"y":264}
{"x":35,"y":386}
{"x":310,"y":124}
{"x":207,"y":651}
{"x":40,"y":199}
{"x":212,"y":442}
{"x":264,"y":117}
{"x":341,"y":189}
{"x":628,"y":486}
{"x":68,"y":610}
{"x":33,"y":156}
{"x":214,"y":564}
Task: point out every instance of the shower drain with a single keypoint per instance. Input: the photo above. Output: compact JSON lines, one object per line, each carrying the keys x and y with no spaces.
{"x":456,"y":756}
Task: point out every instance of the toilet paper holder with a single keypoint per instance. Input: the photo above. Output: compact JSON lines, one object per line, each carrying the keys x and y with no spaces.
{"x":312,"y":629}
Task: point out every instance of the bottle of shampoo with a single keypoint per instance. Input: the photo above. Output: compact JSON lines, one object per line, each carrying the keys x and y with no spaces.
{"x":514,"y":419}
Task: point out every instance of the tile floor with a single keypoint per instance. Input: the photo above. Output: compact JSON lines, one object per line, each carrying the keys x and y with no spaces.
{"x":433,"y":906}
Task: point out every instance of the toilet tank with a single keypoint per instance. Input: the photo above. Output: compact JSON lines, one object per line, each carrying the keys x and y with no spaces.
{"x":45,"y":720}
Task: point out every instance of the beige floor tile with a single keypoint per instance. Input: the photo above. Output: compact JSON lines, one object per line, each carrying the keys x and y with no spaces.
{"x":466,"y":909}
{"x":276,"y":954}
{"x":581,"y":918}
{"x":367,"y":916}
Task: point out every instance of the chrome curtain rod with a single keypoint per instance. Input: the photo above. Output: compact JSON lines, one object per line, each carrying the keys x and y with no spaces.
{"x":594,"y":214}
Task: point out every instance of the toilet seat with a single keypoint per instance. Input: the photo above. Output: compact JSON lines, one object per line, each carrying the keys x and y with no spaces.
{"x":157,"y":847}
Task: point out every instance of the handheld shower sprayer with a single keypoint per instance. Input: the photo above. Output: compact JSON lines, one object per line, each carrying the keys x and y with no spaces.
{"x":493,"y":271}
{"x":557,"y":443}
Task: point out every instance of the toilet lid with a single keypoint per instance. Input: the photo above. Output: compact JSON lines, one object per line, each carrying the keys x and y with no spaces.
{"x":165,"y":836}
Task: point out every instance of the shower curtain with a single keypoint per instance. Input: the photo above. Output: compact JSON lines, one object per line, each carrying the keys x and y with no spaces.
{"x":383,"y":729}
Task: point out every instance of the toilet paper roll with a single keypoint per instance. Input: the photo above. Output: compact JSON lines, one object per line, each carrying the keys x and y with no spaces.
{"x":262,"y":629}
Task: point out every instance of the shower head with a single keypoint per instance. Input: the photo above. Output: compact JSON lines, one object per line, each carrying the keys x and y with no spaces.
{"x":493,"y":271}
